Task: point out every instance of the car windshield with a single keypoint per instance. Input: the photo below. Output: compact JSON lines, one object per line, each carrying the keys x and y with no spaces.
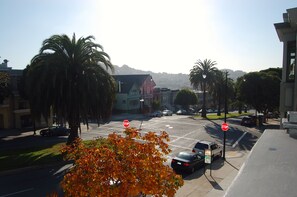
{"x":185,"y":156}
{"x":201,"y":146}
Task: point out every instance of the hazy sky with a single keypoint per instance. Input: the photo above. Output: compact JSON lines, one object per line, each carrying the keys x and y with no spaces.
{"x":155,"y":35}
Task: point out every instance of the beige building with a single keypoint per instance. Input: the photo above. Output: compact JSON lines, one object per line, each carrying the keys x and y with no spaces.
{"x":287,"y":33}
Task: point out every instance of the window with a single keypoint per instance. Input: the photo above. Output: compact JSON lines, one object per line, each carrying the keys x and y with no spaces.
{"x":291,"y":56}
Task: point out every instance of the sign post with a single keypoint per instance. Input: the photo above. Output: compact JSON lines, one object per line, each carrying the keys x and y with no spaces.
{"x":126,"y":123}
{"x":207,"y":158}
{"x":225,"y":128}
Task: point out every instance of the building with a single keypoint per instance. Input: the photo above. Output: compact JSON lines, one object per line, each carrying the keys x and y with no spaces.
{"x":164,"y":96}
{"x":134,"y":93}
{"x":15,"y":111}
{"x":287,"y":33}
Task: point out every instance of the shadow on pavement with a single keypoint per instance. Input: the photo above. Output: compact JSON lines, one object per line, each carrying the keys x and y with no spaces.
{"x":232,"y":165}
{"x":214,"y":183}
{"x":214,"y":130}
{"x":195,"y":175}
{"x":29,"y":141}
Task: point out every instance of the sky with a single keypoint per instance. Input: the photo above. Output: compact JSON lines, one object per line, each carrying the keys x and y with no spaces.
{"x":151,"y":35}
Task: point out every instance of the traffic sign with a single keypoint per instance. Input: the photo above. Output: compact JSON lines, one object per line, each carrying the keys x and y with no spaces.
{"x":126,"y":123}
{"x":225,"y":126}
{"x":207,"y":156}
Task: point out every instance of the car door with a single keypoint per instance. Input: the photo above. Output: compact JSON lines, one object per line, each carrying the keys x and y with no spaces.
{"x":198,"y":161}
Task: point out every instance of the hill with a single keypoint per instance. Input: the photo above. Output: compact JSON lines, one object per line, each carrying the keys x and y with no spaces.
{"x":171,"y":81}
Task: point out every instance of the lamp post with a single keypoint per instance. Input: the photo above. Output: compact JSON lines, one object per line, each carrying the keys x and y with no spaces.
{"x":225,"y":118}
{"x":203,"y":114}
{"x":141,"y":104}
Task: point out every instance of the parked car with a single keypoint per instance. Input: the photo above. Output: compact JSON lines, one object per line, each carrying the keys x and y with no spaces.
{"x":156,"y":114}
{"x":249,"y":121}
{"x":55,"y":131}
{"x":200,"y":146}
{"x":187,"y":161}
{"x":167,"y":112}
{"x":181,"y":112}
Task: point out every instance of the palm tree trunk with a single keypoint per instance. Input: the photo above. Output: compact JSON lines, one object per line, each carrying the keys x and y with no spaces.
{"x":219,"y":104}
{"x":73,"y":125}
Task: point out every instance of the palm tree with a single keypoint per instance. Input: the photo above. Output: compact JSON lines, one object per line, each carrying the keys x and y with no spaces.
{"x":203,"y":74}
{"x":218,"y":90}
{"x":69,"y":78}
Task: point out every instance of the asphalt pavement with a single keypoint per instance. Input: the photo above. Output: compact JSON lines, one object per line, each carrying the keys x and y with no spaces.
{"x":184,"y":132}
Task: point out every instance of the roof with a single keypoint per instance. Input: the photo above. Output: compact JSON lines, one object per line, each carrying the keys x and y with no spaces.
{"x":127,"y":81}
{"x":289,"y":26}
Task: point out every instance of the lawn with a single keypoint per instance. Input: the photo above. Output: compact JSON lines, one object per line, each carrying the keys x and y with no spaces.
{"x":222,"y":116}
{"x":34,"y":156}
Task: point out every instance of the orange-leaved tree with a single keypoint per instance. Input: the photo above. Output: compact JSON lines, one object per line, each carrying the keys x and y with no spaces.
{"x":121,"y":166}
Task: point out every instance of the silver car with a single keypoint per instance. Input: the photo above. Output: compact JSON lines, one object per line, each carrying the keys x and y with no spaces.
{"x":167,"y":112}
{"x":200,"y":146}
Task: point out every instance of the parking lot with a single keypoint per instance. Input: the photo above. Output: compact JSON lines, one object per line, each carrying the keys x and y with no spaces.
{"x":184,"y":132}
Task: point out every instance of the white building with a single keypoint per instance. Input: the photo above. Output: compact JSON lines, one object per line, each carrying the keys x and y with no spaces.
{"x":287,"y":33}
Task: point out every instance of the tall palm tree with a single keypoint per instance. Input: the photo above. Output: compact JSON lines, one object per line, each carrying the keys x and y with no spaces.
{"x":218,"y":90}
{"x":69,"y":78}
{"x":201,"y":69}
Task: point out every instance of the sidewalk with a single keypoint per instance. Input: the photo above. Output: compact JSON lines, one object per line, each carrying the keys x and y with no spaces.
{"x":270,"y":170}
{"x":216,"y":183}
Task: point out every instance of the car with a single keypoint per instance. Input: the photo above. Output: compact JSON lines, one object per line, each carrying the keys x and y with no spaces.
{"x":249,"y":121}
{"x":156,"y":114}
{"x":55,"y":131}
{"x":200,"y":146}
{"x":187,"y":161}
{"x":181,"y":112}
{"x":167,"y":112}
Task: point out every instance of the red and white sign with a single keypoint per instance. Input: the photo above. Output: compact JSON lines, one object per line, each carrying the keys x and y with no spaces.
{"x":126,"y":123}
{"x":225,"y":126}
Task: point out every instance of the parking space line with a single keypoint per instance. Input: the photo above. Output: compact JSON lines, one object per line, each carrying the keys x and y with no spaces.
{"x":18,"y":192}
{"x":236,"y":143}
{"x":183,"y":137}
{"x":180,"y":147}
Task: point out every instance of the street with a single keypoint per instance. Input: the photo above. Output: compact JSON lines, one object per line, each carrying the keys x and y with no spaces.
{"x":184,"y":132}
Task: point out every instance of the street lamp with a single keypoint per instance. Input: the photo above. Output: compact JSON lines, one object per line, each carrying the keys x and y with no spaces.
{"x":225,"y":118}
{"x":203,"y":114}
{"x":141,"y":104}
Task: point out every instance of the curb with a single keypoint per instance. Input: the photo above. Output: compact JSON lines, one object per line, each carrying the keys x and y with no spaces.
{"x":18,"y":170}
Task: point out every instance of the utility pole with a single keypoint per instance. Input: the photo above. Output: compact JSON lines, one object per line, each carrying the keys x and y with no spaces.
{"x":225,"y":118}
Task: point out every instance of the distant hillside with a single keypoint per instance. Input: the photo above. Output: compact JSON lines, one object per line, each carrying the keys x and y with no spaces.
{"x":234,"y":74}
{"x":166,"y":80}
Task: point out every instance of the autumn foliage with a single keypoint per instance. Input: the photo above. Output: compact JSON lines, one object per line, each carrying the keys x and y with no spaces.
{"x":123,"y":166}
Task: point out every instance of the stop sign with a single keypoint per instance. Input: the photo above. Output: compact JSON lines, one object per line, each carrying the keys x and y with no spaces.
{"x":225,"y":126}
{"x":126,"y":123}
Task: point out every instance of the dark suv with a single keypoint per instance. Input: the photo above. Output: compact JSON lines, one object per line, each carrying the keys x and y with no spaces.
{"x":55,"y":131}
{"x":249,"y":121}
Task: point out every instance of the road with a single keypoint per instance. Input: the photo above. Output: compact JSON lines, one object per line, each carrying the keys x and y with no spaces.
{"x":184,"y":132}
